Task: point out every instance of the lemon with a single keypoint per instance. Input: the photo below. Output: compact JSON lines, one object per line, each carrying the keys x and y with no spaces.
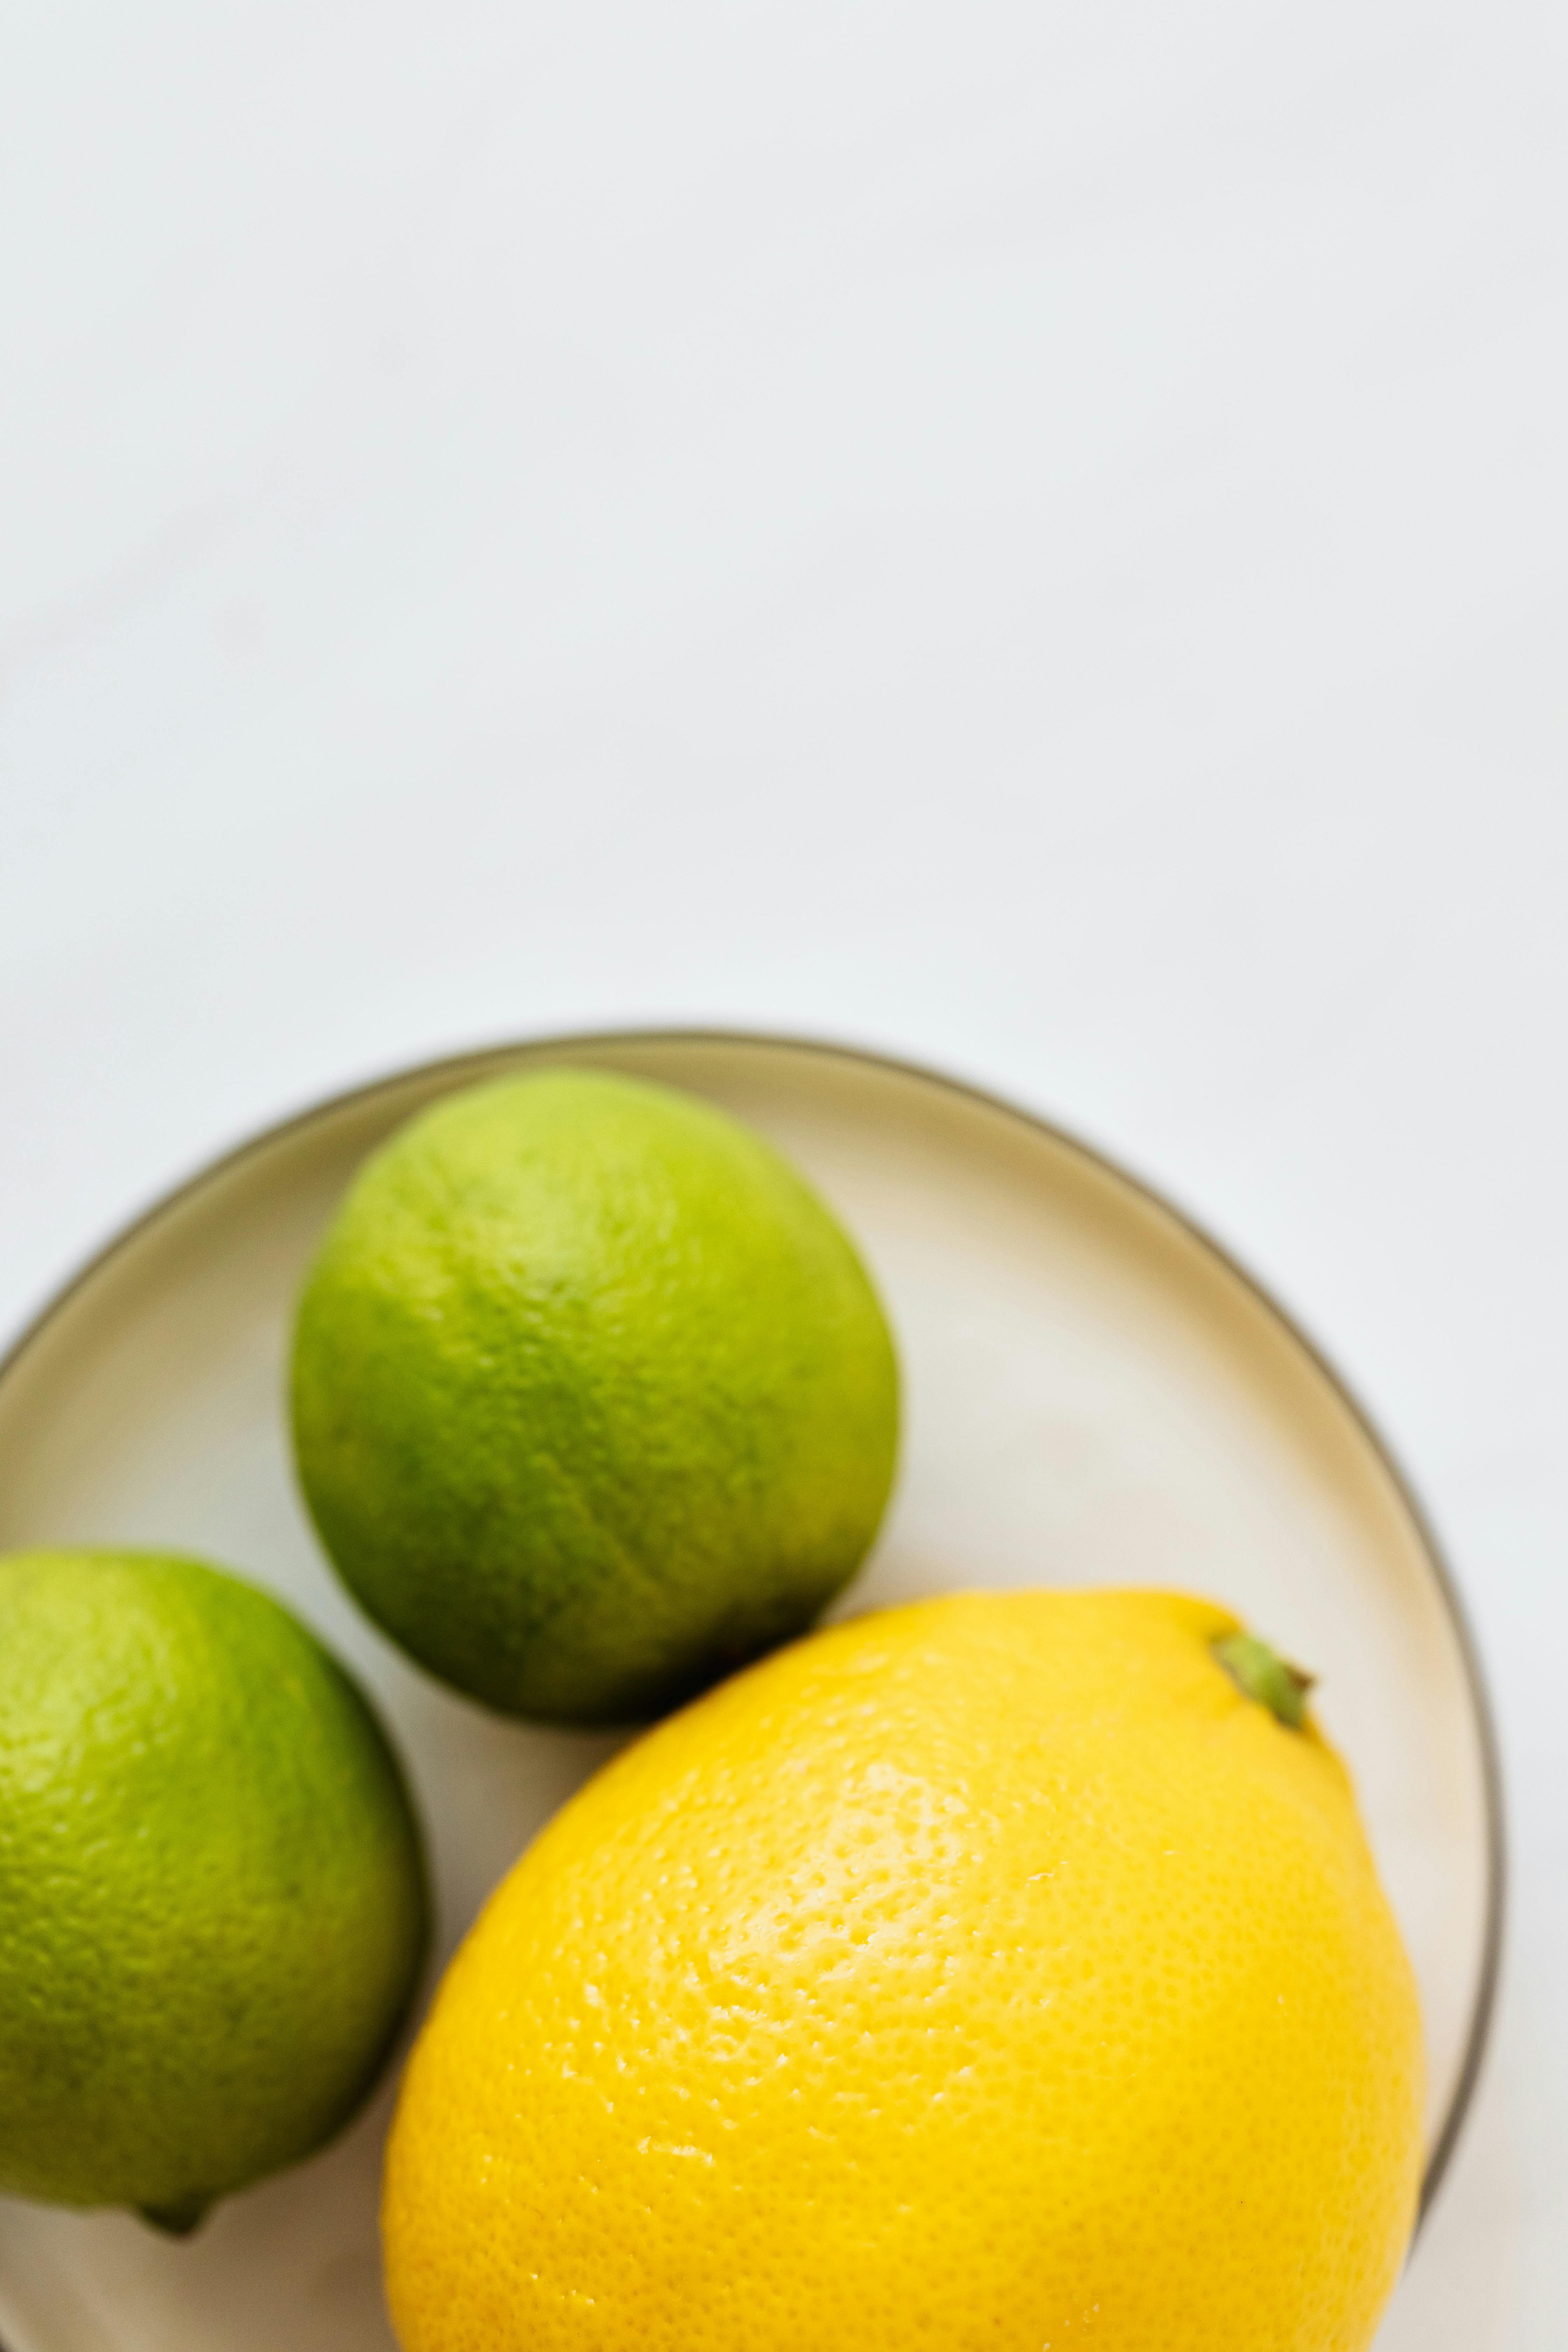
{"x":593,"y":1398}
{"x":986,"y":1975}
{"x":212,"y":1899}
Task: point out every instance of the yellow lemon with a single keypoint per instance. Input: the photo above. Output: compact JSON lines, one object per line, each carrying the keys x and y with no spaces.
{"x":990,"y":1975}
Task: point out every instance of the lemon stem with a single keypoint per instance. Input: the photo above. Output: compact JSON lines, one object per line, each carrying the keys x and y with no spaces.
{"x":1261,"y":1673}
{"x":178,"y":2220}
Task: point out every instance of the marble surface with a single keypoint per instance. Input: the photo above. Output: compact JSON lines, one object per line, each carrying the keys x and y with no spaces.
{"x":1031,"y":537}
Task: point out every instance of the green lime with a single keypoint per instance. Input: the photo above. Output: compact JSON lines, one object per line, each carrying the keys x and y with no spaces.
{"x":212,"y":1899}
{"x":593,"y":1398}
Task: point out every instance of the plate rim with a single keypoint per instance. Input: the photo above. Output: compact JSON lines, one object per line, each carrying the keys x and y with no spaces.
{"x":454,"y":1065}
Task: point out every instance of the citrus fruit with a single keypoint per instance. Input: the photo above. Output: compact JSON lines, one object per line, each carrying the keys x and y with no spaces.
{"x":593,"y":1398}
{"x":211,"y":1898}
{"x":984,"y":1975}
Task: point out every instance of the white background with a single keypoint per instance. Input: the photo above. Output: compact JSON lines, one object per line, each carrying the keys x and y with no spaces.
{"x":1033,"y":535}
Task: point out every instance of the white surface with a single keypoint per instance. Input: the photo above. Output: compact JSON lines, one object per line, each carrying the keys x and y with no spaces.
{"x":1033,"y":534}
{"x":1091,"y":1397}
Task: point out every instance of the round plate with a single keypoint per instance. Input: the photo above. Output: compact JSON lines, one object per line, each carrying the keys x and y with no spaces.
{"x":1096,"y":1395}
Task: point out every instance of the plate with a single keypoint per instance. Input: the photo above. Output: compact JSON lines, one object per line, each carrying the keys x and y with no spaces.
{"x":1096,"y":1395}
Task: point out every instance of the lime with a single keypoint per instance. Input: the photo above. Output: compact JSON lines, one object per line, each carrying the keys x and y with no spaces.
{"x":212,"y":1900}
{"x":593,"y":1398}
